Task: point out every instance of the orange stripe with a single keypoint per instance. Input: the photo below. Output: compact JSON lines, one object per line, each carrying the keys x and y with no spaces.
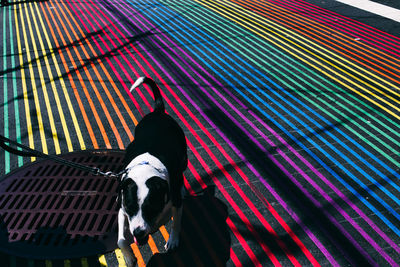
{"x":85,"y":117}
{"x":107,"y":114}
{"x":323,"y":28}
{"x":138,"y":255}
{"x":110,"y":98}
{"x":152,"y":245}
{"x":91,"y":104}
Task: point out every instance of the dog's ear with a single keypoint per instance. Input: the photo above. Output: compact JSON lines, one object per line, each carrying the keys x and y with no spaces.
{"x":160,"y":186}
{"x":127,"y":192}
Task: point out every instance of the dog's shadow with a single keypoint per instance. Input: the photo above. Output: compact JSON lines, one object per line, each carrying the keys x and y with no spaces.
{"x":205,"y":238}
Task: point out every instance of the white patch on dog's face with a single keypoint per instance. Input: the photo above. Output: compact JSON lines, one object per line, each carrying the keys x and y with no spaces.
{"x":144,"y":200}
{"x":145,"y":193}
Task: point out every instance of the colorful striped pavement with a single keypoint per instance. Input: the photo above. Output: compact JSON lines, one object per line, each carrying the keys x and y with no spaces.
{"x":291,"y":111}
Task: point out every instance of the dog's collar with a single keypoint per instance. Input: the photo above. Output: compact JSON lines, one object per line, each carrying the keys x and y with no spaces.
{"x":147,"y":159}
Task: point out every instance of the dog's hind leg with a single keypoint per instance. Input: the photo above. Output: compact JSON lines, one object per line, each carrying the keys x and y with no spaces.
{"x":173,"y":240}
{"x":177,"y":207}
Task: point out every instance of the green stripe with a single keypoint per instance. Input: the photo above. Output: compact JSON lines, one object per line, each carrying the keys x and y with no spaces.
{"x":15,"y":90}
{"x":5,"y":95}
{"x":250,"y":56}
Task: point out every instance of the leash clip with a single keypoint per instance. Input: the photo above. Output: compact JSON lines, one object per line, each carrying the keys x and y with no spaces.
{"x":109,"y":174}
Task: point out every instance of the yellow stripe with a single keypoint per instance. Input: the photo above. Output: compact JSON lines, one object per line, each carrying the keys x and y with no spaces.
{"x":293,"y":16}
{"x":356,"y":46}
{"x":64,"y":88}
{"x":45,"y":94}
{"x":289,"y":50}
{"x":84,"y":262}
{"x":44,"y":87}
{"x":94,"y":68}
{"x":23,"y":79}
{"x":102,"y":260}
{"x":34,"y":90}
{"x":120,"y":258}
{"x":315,"y":45}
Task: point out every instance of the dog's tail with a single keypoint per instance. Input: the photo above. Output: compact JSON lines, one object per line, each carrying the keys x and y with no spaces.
{"x":159,"y":103}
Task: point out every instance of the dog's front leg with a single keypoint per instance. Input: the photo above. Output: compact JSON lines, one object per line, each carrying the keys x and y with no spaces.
{"x":173,"y":240}
{"x":123,"y":241}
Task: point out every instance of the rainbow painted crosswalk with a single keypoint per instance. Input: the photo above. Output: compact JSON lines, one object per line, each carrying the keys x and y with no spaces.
{"x":291,"y":111}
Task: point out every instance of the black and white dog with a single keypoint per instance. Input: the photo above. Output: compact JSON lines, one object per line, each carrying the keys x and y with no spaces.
{"x":152,"y":186}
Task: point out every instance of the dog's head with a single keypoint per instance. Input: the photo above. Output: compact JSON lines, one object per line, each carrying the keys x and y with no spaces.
{"x":144,"y":202}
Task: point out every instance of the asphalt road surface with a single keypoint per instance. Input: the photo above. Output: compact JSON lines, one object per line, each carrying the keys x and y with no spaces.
{"x":290,"y":108}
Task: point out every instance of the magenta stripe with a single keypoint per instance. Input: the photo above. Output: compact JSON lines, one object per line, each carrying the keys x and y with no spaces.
{"x":354,"y":22}
{"x":328,"y":21}
{"x":363,"y":233}
{"x":199,"y":86}
{"x":236,"y":150}
{"x":237,"y":209}
{"x":254,"y":207}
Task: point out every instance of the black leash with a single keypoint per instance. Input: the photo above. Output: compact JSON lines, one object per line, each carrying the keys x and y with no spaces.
{"x":29,"y":152}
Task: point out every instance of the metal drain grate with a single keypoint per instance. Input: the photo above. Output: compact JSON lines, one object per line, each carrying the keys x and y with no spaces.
{"x":51,"y":211}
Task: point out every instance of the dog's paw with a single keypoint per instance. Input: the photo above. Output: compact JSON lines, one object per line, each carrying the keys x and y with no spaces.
{"x":130,"y":259}
{"x":173,"y":242}
{"x":127,"y":252}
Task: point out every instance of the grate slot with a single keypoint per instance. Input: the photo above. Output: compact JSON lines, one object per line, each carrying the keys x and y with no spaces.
{"x":36,"y":202}
{"x":72,"y":171}
{"x":32,"y":186}
{"x":33,"y":221}
{"x":28,"y":182}
{"x":51,"y":170}
{"x":15,"y":220}
{"x":47,"y":185}
{"x":23,"y":221}
{"x":68,"y":203}
{"x":92,"y":222}
{"x":40,"y":185}
{"x":79,"y":184}
{"x":14,"y":201}
{"x":45,"y":170}
{"x":6,"y":200}
{"x":37,"y":170}
{"x":59,"y":218}
{"x":28,"y":201}
{"x":58,"y":170}
{"x":102,"y":223}
{"x":78,"y":202}
{"x":84,"y":222}
{"x":45,"y":202}
{"x":17,"y":185}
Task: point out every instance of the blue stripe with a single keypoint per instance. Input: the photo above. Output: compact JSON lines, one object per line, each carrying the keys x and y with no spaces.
{"x":161,"y":25}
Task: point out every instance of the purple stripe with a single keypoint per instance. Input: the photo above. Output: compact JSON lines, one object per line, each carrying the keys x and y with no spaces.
{"x":295,"y":217}
{"x":270,"y":156}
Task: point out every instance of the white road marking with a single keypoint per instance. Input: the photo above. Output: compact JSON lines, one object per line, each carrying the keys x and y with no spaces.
{"x":376,"y":8}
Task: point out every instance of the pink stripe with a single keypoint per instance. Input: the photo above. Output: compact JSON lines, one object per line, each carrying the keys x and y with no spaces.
{"x":227,"y":113}
{"x":357,"y":32}
{"x":191,"y":146}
